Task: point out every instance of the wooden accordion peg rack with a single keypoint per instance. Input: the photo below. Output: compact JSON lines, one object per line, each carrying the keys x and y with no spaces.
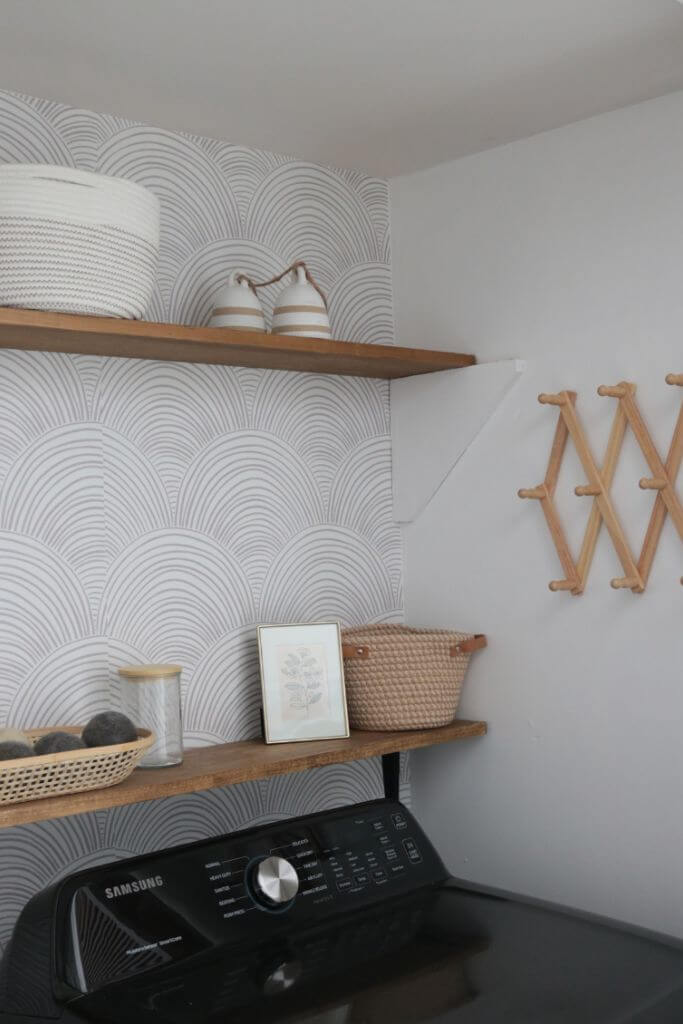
{"x":662,"y":481}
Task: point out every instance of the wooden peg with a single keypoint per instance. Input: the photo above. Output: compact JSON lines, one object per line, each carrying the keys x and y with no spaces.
{"x":612,"y":392}
{"x":602,"y":500}
{"x":555,"y":585}
{"x":607,"y":472}
{"x":660,"y":509}
{"x":675,"y":378}
{"x":660,"y":471}
{"x":626,"y":583}
{"x":586,"y":491}
{"x":545,"y":492}
{"x":560,"y":399}
{"x":651,"y":483}
{"x":557,"y":451}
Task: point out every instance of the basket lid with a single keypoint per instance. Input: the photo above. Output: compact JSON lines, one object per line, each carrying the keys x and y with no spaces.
{"x":149,"y":671}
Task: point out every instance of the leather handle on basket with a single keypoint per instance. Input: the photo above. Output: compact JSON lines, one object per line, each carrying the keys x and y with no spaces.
{"x":475,"y":643}
{"x":355,"y":651}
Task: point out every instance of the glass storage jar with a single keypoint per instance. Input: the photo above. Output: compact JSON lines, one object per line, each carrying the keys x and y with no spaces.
{"x":151,"y":698}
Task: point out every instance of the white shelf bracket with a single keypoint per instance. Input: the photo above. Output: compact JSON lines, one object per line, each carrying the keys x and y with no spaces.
{"x":435,"y":417}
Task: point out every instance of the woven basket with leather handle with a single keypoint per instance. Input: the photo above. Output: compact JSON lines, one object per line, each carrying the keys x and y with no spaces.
{"x":398,"y":677}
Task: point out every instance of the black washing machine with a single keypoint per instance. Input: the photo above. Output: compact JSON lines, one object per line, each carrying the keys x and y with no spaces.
{"x":343,"y":917}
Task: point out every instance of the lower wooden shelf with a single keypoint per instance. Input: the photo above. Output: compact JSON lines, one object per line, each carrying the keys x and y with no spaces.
{"x":228,"y":763}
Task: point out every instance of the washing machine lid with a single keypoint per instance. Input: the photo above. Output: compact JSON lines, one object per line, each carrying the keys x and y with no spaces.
{"x":441,"y":955}
{"x":390,"y":962}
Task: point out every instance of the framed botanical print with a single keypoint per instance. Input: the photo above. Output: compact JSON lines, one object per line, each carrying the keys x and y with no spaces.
{"x":302,"y":681}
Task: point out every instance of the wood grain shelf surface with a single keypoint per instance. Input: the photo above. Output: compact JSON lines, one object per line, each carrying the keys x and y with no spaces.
{"x":228,"y":763}
{"x":140,"y":339}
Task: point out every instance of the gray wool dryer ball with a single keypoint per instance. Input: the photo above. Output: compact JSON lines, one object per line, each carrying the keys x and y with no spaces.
{"x":108,"y":728}
{"x":9,"y":750}
{"x":56,"y":742}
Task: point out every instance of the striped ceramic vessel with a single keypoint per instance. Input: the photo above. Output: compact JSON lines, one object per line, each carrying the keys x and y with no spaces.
{"x":300,"y":309}
{"x":76,"y":242}
{"x":237,"y":305}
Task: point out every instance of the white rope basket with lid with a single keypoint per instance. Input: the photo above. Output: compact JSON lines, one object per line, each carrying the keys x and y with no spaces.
{"x":76,"y":242}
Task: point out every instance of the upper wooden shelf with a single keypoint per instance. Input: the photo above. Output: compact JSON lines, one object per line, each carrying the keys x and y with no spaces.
{"x":228,"y":763}
{"x":139,"y":339}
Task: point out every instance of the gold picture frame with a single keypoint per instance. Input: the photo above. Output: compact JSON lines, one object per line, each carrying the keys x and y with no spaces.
{"x":302,"y":682}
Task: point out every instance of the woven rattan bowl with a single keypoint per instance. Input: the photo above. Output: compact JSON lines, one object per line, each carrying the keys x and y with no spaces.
{"x":72,"y":771}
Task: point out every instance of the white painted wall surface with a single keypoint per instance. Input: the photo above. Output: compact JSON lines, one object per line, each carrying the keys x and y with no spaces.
{"x":565,"y":250}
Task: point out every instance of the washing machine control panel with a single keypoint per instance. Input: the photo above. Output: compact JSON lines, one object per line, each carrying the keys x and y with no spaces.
{"x":156,"y":910}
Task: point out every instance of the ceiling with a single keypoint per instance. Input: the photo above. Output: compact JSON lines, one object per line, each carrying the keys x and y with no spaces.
{"x":387,"y":86}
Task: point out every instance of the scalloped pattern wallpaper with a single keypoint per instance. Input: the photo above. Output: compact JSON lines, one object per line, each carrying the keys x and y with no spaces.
{"x":157,"y":511}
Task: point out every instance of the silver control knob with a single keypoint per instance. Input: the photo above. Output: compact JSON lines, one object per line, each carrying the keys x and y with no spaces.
{"x":282,"y":977}
{"x":276,"y":880}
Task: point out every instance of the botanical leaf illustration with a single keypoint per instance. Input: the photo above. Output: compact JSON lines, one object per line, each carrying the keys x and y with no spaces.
{"x":305,"y":675}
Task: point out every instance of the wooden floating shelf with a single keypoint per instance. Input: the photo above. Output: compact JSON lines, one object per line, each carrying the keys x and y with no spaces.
{"x":229,"y":763}
{"x":139,"y":339}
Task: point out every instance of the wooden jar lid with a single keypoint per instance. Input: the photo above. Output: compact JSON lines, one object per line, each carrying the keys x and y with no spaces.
{"x":149,"y":671}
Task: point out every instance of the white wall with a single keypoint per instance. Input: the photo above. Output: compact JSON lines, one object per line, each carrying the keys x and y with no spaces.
{"x":566,"y":250}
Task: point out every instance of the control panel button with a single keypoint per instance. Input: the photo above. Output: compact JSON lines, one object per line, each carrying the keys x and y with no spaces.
{"x":399,"y":820}
{"x":343,"y":884}
{"x":378,"y":826}
{"x":379,"y":877}
{"x":385,"y":840}
{"x":391,"y":854}
{"x":275,"y":881}
{"x":413,"y":851}
{"x":361,"y":878}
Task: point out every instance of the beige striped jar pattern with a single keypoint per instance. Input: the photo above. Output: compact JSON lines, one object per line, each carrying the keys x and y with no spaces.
{"x":237,"y":305}
{"x":300,"y":310}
